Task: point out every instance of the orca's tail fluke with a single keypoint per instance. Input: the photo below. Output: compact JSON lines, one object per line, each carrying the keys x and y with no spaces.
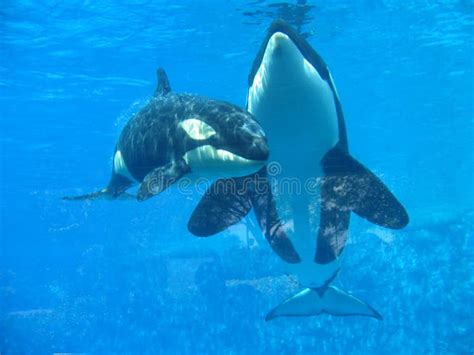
{"x":102,"y":194}
{"x":311,"y":302}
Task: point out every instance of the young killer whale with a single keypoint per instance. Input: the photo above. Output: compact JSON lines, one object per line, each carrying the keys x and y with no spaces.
{"x":183,"y":134}
{"x":292,"y":94}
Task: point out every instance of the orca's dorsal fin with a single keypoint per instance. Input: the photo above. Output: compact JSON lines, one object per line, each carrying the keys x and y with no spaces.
{"x":163,"y":85}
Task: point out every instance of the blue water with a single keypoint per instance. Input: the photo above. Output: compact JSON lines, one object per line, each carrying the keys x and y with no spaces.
{"x":127,"y":277}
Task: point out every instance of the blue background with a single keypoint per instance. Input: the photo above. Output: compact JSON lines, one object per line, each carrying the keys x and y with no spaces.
{"x":127,"y":277}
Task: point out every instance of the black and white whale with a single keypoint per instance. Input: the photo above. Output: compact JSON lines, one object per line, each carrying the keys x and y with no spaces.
{"x":292,"y":94}
{"x":183,"y":134}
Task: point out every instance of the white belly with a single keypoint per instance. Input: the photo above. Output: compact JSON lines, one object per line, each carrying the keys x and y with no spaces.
{"x":296,"y":108}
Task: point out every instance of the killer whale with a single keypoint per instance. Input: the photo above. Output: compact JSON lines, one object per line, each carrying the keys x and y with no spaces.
{"x":179,"y":134}
{"x":293,"y":95}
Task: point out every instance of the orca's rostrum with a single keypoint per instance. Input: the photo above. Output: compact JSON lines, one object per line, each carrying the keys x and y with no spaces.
{"x":292,"y":94}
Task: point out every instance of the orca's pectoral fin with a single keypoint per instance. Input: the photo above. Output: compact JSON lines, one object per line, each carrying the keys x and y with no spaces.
{"x":268,"y":218}
{"x":378,"y":205}
{"x":224,"y":204}
{"x":359,"y":190}
{"x":102,"y":194}
{"x":161,"y":178}
{"x":311,"y":302}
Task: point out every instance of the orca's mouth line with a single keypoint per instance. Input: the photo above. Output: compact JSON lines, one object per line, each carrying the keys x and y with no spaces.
{"x":209,"y":152}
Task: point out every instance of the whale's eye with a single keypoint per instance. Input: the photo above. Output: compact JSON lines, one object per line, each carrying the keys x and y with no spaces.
{"x":197,"y":129}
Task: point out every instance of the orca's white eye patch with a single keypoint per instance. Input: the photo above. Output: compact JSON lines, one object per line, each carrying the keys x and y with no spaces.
{"x":197,"y":129}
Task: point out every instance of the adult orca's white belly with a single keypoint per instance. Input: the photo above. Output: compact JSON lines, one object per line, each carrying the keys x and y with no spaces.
{"x":296,"y":107}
